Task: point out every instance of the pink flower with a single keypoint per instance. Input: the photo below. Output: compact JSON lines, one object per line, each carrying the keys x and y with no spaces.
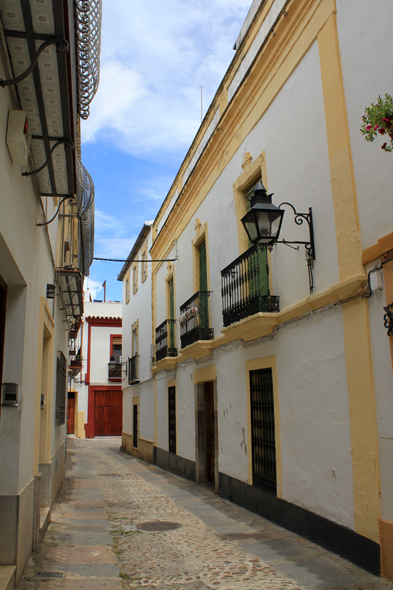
{"x":386,"y":120}
{"x":376,"y":127}
{"x":383,"y":146}
{"x":368,"y":127}
{"x":382,"y":131}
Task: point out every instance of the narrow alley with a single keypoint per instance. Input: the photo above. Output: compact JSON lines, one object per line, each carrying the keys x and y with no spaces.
{"x":122,"y":523}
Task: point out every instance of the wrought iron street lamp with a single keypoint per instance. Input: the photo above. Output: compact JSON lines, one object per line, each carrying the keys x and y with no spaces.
{"x":263,"y":225}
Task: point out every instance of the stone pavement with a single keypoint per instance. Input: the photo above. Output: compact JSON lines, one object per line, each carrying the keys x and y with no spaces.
{"x":98,"y":539}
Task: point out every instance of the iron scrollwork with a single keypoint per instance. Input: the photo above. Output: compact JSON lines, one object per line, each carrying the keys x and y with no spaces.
{"x":310,"y":245}
{"x":388,"y":318}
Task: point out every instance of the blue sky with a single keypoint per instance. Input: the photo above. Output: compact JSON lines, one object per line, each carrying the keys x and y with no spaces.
{"x":155,"y":56}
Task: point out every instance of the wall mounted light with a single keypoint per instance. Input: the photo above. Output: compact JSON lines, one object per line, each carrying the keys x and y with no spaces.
{"x":264,"y":220}
{"x":50,"y":291}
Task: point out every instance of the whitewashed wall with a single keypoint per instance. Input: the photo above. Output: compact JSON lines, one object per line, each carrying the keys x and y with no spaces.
{"x":26,"y":267}
{"x":367,"y":64}
{"x":383,"y":383}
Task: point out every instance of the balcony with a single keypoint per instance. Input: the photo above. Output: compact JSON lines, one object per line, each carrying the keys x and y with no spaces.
{"x":194,"y":319}
{"x":133,"y":370}
{"x":75,"y":367}
{"x":114,"y":371}
{"x":245,"y":286}
{"x":165,"y":340}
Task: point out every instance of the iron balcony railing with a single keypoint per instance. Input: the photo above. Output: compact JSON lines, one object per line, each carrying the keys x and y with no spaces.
{"x":165,"y":340}
{"x":133,"y":370}
{"x":245,"y":286}
{"x":194,"y":319}
{"x":114,"y":371}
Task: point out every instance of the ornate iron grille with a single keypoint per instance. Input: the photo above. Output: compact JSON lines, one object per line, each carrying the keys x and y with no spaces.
{"x":85,"y":206}
{"x":88,"y":15}
{"x":194,"y":319}
{"x":245,"y":286}
{"x":132,"y":369}
{"x":172,"y":419}
{"x":262,"y":430}
{"x":165,"y":340}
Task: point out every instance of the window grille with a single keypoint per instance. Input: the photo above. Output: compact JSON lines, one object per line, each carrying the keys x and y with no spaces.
{"x":262,"y":430}
{"x":172,"y":419}
{"x":135,"y":426}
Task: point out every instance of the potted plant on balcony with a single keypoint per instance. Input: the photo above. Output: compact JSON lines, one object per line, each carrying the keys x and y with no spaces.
{"x":77,"y":361}
{"x":378,"y":118}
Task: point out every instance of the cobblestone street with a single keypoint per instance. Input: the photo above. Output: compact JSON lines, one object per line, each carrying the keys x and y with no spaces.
{"x":96,"y":539}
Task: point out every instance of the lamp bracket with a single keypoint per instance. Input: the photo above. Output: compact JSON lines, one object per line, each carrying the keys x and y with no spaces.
{"x":68,"y":145}
{"x":299,"y":218}
{"x":62,"y":47}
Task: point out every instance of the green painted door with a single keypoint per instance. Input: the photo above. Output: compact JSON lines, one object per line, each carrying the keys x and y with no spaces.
{"x":203,"y":295}
{"x":257,"y":262}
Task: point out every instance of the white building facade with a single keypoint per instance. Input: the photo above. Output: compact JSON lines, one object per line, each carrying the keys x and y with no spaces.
{"x":46,"y":249}
{"x":95,"y":393}
{"x":276,"y":382}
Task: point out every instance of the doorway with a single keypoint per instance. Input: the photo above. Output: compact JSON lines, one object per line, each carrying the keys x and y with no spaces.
{"x":210,"y":432}
{"x":71,"y":413}
{"x":206,"y":433}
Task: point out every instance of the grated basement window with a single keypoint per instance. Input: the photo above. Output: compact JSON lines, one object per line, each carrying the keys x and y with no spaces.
{"x":172,"y":419}
{"x":262,"y":430}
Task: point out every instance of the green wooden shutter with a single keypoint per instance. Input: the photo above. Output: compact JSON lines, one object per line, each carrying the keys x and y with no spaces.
{"x":258,"y":266}
{"x":172,"y":314}
{"x":203,"y":303}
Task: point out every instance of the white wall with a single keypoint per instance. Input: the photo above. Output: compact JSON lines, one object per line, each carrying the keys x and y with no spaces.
{"x":366,"y":48}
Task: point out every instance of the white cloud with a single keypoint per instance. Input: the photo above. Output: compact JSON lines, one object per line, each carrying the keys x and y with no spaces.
{"x":92,"y":288}
{"x":155,"y":57}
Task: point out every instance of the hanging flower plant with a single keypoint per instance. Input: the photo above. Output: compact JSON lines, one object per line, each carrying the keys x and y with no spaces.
{"x":378,"y":118}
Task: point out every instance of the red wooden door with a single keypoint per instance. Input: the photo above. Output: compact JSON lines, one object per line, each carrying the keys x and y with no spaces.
{"x":70,"y":415}
{"x":108,"y":413}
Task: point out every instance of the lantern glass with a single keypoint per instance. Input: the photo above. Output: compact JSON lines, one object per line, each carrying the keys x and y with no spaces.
{"x":263,"y":223}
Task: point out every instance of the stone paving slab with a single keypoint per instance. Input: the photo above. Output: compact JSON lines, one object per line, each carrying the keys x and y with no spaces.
{"x":95,"y":542}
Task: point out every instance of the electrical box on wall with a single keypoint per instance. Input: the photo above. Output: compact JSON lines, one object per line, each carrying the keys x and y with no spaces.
{"x":376,"y":283}
{"x":10,"y":394}
{"x":18,"y":137}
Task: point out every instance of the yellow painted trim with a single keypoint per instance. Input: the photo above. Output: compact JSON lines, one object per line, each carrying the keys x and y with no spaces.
{"x":340,"y":156}
{"x":251,"y":172}
{"x":377,"y":250}
{"x":386,"y":536}
{"x":363,"y":419}
{"x":43,"y":418}
{"x":254,"y":365}
{"x":279,"y":58}
{"x":205,"y":374}
{"x":360,"y":379}
{"x":155,"y":411}
{"x":263,"y":324}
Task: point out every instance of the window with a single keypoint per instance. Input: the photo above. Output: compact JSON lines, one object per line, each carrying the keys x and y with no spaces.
{"x":133,"y":363}
{"x":135,"y":278}
{"x":263,"y":441}
{"x":127,"y":290}
{"x":144,"y":263}
{"x":116,"y":348}
{"x":172,"y":419}
{"x":61,"y":387}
